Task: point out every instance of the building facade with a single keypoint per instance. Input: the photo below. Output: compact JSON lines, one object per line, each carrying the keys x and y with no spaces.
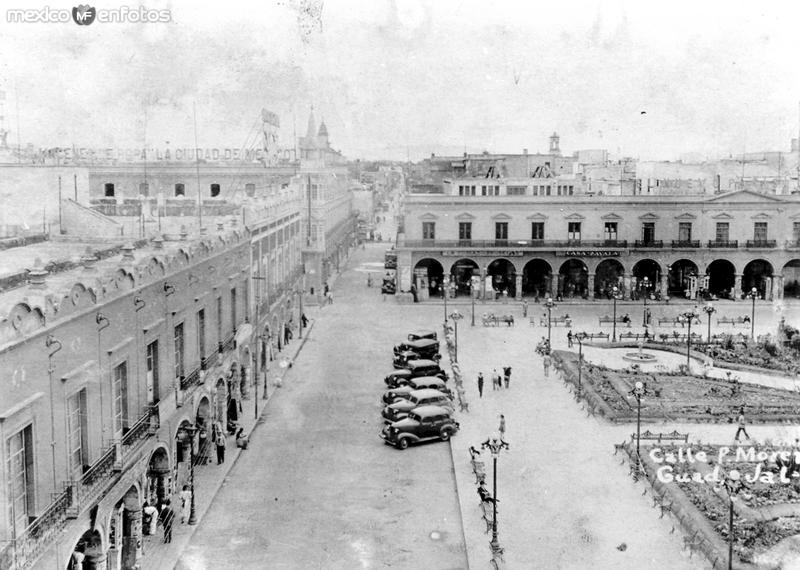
{"x":526,"y":244}
{"x":114,"y":374}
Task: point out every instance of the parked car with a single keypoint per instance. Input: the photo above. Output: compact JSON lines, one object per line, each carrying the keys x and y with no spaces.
{"x":417,"y":398}
{"x":422,"y":424}
{"x":400,"y":393}
{"x":426,"y":368}
{"x":430,"y":382}
{"x":422,"y":333}
{"x":397,"y":378}
{"x":425,"y":347}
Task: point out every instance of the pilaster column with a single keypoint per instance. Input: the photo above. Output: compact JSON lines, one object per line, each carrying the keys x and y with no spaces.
{"x":626,"y":285}
{"x":132,"y":544}
{"x":96,"y":559}
{"x":737,"y":287}
{"x":769,"y":291}
{"x":664,"y":285}
{"x":518,"y":287}
{"x":591,"y":286}
{"x":483,"y":284}
{"x":777,"y":287}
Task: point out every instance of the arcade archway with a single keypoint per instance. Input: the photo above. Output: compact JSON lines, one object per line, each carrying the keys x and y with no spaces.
{"x":428,"y":275}
{"x":503,"y":276}
{"x":573,"y":279}
{"x":91,"y":550}
{"x":537,"y":277}
{"x":682,"y":279}
{"x":461,"y":274}
{"x":650,"y":269}
{"x":721,"y":278}
{"x":158,"y":470}
{"x":125,"y":532}
{"x":609,"y":274}
{"x":203,"y":422}
{"x":758,"y":274}
{"x":791,"y":279}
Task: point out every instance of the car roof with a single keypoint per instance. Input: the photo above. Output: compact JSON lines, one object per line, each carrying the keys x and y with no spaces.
{"x":428,"y":411}
{"x":422,"y":343}
{"x":428,"y":380}
{"x":422,"y":362}
{"x":422,"y":332}
{"x":401,"y":371}
{"x":427,"y":393}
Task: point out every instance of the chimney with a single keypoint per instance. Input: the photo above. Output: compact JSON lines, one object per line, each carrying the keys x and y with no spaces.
{"x":184,"y":233}
{"x":203,"y":231}
{"x":127,"y":252}
{"x":88,"y":259}
{"x":158,"y":242}
{"x":221,"y":227}
{"x":37,"y":276}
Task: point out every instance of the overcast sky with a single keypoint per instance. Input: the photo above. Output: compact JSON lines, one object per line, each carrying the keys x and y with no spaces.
{"x":645,"y":79}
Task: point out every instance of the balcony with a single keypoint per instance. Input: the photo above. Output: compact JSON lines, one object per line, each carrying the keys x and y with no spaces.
{"x":93,"y":483}
{"x":510,"y":243}
{"x":685,"y":244}
{"x":147,"y":424}
{"x":654,"y":243}
{"x":191,"y":379}
{"x":793,"y":244}
{"x":228,"y":344}
{"x":26,"y":548}
{"x":209,"y":361}
{"x":761,"y":243}
{"x":724,"y":244}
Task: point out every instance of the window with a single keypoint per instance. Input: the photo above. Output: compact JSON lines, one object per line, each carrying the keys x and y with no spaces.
{"x":108,"y":190}
{"x":314,"y":192}
{"x":428,"y":230}
{"x":464,"y":230}
{"x":490,"y":190}
{"x":201,"y":334}
{"x":685,"y":231}
{"x":760,"y":231}
{"x":19,"y":469}
{"x":574,"y":231}
{"x":219,"y":321}
{"x":151,"y":363}
{"x":723,"y":231}
{"x":537,"y":230}
{"x":648,"y":232}
{"x":214,"y":190}
{"x":78,"y":433}
{"x":796,"y":232}
{"x":144,"y":189}
{"x":570,"y":190}
{"x":501,"y":230}
{"x":250,"y":189}
{"x":515,"y":190}
{"x":547,"y":190}
{"x":119,"y":395}
{"x":180,"y":190}
{"x":233,"y":310}
{"x":610,"y":231}
{"x":180,"y":369}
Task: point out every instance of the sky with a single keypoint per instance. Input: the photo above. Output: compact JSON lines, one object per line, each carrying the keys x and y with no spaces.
{"x":406,"y":78}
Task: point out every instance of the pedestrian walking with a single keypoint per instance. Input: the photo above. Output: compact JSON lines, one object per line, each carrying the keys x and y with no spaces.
{"x":186,"y":503}
{"x":167,"y":517}
{"x":151,"y":518}
{"x":524,"y":308}
{"x":495,"y":380}
{"x":502,"y":428}
{"x":569,"y":339}
{"x":329,"y":297}
{"x":220,"y":441}
{"x":507,"y":375}
{"x":547,"y":361}
{"x":304,"y":321}
{"x":78,"y":558}
{"x":741,"y":421}
{"x":480,"y":384}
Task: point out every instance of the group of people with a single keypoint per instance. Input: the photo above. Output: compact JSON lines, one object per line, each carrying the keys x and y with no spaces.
{"x":497,"y":380}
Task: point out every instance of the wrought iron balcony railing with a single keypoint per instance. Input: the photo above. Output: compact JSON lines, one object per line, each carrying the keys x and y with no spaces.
{"x":209,"y":361}
{"x":728,"y":244}
{"x":229,"y":343}
{"x":765,"y":243}
{"x":654,"y":243}
{"x":191,"y":379}
{"x":512,"y":243}
{"x":28,"y":545}
{"x":691,"y":243}
{"x":146,"y":425}
{"x":94,"y":482}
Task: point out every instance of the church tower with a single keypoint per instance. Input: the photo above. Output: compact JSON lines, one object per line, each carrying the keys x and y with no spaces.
{"x":322,"y":135}
{"x":554,"y":146}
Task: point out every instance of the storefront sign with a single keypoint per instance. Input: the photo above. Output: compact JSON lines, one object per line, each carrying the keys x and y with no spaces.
{"x":590,"y":253}
{"x":479,"y":252}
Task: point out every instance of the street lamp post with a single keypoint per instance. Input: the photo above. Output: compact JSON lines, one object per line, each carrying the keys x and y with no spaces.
{"x":646,"y":288}
{"x":753,"y":295}
{"x":580,"y":337}
{"x":495,"y":444}
{"x":456,"y":316}
{"x":689,"y":316}
{"x":472,"y":294}
{"x":614,"y":296}
{"x":550,"y":305}
{"x":710,"y":310}
{"x":190,"y":431}
{"x":445,"y":282}
{"x":638,"y":391}
{"x":733,"y":485}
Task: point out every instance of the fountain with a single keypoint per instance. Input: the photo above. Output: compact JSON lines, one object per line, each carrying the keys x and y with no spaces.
{"x":639,"y":356}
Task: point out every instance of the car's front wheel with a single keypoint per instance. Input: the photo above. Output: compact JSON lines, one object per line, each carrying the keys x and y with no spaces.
{"x":445,"y":435}
{"x":403,"y":443}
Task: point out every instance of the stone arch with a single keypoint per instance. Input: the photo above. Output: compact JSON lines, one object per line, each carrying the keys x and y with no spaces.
{"x":125,"y":522}
{"x":721,"y":278}
{"x":609,"y":273}
{"x":791,"y":278}
{"x":461,"y":274}
{"x":503,"y":275}
{"x":428,"y":274}
{"x":650,"y":269}
{"x":24,"y":319}
{"x":755,"y":274}
{"x":159,"y":468}
{"x":573,"y":279}
{"x":679,"y":277}
{"x":537,"y":277}
{"x":124,"y":280}
{"x":93,"y":544}
{"x":220,"y":401}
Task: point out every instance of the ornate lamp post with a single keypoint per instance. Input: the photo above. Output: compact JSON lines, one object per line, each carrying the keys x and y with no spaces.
{"x":495,"y":444}
{"x":615,"y":296}
{"x":190,"y":430}
{"x":580,"y":337}
{"x":753,"y":294}
{"x":456,"y":316}
{"x":472,"y":294}
{"x":637,"y":392}
{"x":646,"y":290}
{"x":709,"y":310}
{"x":550,"y":305}
{"x":733,"y":486}
{"x":445,"y":283}
{"x":689,"y":316}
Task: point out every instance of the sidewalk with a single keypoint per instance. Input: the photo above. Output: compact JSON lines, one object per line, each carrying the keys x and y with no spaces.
{"x":209,"y":478}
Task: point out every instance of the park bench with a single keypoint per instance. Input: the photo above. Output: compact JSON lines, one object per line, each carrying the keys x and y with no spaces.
{"x":677,"y":321}
{"x":679,"y":338}
{"x":597,"y":336}
{"x":659,"y":437}
{"x":734,"y":320}
{"x":722,"y":337}
{"x":478,"y":467}
{"x":487,"y":510}
{"x":497,"y":560}
{"x":556,"y":321}
{"x":492,"y":320}
{"x":635,"y":336}
{"x":608,"y":320}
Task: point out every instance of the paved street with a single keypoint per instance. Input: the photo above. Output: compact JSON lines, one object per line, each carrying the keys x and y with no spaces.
{"x":318,"y":488}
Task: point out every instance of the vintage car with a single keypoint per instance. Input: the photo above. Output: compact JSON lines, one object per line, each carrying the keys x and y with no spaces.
{"x":397,"y":378}
{"x":422,"y":334}
{"x":426,"y":368}
{"x":417,"y":398}
{"x":400,"y":393}
{"x":421,"y":383}
{"x":422,"y":424}
{"x":402,"y":358}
